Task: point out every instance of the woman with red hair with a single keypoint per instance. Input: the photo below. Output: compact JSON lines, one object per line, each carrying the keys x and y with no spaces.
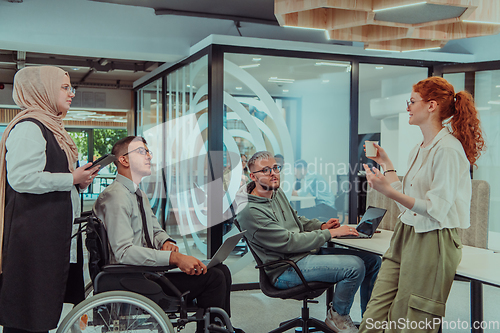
{"x":434,"y":198}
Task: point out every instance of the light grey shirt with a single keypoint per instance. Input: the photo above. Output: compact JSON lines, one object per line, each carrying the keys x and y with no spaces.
{"x":439,"y":179}
{"x":25,"y":163}
{"x":118,"y":208}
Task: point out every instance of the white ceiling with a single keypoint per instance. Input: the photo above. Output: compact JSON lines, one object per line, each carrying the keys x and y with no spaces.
{"x":130,"y":35}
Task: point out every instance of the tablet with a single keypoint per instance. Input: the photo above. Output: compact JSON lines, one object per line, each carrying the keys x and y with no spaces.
{"x":103,"y":161}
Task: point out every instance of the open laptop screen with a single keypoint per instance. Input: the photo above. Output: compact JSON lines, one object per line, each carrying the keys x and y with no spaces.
{"x":370,"y":221}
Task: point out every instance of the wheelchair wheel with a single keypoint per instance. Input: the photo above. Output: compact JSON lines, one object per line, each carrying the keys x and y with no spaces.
{"x":116,"y":311}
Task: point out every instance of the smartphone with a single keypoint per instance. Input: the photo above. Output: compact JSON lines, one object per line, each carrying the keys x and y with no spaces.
{"x":103,"y":161}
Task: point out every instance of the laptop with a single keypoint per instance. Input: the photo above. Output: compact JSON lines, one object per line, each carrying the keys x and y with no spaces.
{"x":369,"y":223}
{"x":224,"y":250}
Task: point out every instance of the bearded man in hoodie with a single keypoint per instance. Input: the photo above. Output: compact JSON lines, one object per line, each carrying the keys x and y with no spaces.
{"x":275,"y":231}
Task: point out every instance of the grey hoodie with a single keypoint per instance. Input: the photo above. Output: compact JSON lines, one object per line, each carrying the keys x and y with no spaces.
{"x":275,"y":231}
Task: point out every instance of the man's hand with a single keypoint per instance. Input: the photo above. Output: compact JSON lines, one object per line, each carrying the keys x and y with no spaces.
{"x":169,"y":246}
{"x":187,"y":264}
{"x":343,"y":231}
{"x":331,"y":224}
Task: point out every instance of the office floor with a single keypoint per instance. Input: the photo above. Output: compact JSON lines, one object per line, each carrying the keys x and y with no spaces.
{"x":256,"y":313}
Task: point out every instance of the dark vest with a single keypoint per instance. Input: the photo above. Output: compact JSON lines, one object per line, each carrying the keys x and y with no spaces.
{"x":36,"y":250}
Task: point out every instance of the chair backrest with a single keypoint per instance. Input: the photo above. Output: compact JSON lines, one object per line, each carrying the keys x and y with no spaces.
{"x":477,"y":234}
{"x":97,"y":245}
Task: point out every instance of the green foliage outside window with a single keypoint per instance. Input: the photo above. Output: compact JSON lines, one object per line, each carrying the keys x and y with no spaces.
{"x":104,"y":139}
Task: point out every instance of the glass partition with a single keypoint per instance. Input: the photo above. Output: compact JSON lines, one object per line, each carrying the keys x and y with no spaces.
{"x":178,"y":180}
{"x":299,"y":109}
{"x":487,"y":98}
{"x":383,"y":90}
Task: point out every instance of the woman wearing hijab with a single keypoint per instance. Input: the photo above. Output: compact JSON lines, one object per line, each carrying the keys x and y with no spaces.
{"x":38,"y":201}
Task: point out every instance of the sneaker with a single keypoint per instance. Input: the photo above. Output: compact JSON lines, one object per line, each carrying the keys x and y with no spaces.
{"x":340,"y":324}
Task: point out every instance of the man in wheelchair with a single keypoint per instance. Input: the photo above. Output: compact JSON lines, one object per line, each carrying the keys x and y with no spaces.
{"x":136,"y":238}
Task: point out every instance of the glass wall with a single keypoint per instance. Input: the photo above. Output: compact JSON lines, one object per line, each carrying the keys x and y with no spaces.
{"x":487,"y":98}
{"x":177,"y":186}
{"x":383,"y":90}
{"x":298,"y":108}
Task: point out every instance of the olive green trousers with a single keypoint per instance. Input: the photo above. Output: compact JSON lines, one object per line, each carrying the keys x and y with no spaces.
{"x":414,"y":281}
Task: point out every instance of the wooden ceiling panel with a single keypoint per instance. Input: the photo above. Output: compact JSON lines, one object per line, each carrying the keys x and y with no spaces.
{"x":355,"y":20}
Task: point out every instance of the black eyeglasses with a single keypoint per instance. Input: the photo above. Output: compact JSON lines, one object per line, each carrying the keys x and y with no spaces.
{"x":141,"y":150}
{"x":267,"y":170}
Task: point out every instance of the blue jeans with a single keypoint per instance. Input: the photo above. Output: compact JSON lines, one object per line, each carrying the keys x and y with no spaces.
{"x":349,"y":269}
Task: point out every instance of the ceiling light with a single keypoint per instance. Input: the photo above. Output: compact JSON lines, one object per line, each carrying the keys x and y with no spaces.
{"x":335,"y":64}
{"x":379,"y":67}
{"x":256,"y":59}
{"x":368,"y":49}
{"x":239,"y":88}
{"x":494,"y":102}
{"x":424,"y":49}
{"x":250,"y":66}
{"x":279,"y":80}
{"x":326,"y":81}
{"x":285,"y":90}
{"x":401,"y":6}
{"x":75,"y":68}
{"x":484,"y":108}
{"x":497,"y":86}
{"x":305,"y":28}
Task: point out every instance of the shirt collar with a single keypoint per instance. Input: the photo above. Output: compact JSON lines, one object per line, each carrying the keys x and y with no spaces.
{"x":129,"y":184}
{"x":441,"y":134}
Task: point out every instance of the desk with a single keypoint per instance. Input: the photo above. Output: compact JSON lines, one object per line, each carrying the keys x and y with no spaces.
{"x":478,"y":266}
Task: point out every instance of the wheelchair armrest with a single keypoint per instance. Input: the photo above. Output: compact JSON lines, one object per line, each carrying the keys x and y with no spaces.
{"x":119,"y":268}
{"x":287,"y":262}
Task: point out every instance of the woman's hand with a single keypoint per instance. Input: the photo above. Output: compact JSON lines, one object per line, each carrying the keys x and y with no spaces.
{"x":382,"y":158}
{"x":377,"y":180}
{"x":84,"y":177}
{"x":343,"y":231}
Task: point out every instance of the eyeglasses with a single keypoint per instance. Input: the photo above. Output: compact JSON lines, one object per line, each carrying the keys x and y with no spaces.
{"x":410,"y":102}
{"x":69,"y":89}
{"x":140,"y":150}
{"x":267,"y":170}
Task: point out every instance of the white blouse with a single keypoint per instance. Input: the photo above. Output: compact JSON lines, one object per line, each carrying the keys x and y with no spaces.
{"x":26,"y":160}
{"x":439,"y":179}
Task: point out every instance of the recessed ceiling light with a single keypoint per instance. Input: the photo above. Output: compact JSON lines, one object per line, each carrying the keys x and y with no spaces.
{"x":334,"y":64}
{"x":285,"y":90}
{"x":305,"y":28}
{"x":75,"y":68}
{"x":250,"y":66}
{"x":379,"y":67}
{"x":401,"y":6}
{"x":326,"y":81}
{"x":498,"y":86}
{"x":239,"y":88}
{"x":280,"y":80}
{"x":256,"y":59}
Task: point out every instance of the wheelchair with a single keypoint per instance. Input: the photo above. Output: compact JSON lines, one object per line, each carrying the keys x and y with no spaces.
{"x":131,"y":298}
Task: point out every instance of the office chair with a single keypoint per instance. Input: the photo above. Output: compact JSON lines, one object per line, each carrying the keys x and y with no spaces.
{"x":305,"y":293}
